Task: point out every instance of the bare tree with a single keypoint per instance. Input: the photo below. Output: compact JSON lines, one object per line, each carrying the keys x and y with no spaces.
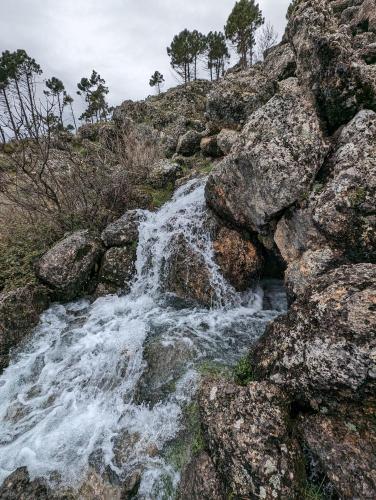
{"x":267,"y":38}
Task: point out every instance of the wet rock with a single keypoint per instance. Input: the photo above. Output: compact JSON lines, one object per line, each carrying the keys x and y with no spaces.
{"x":323,"y":350}
{"x":187,"y":274}
{"x":69,"y":265}
{"x":189,"y":143}
{"x":237,"y":96}
{"x":18,"y":486}
{"x":118,"y":267}
{"x":163,"y":173}
{"x":343,"y":448}
{"x":123,"y":231}
{"x":200,"y":481}
{"x":296,"y":233}
{"x":226,"y":139}
{"x":19,"y":313}
{"x":239,"y":259}
{"x":274,"y":163}
{"x":247,"y":434}
{"x":313,"y":263}
{"x":280,"y":62}
{"x":327,"y":65}
{"x":166,"y":362}
{"x":345,"y":209}
{"x":209,"y":147}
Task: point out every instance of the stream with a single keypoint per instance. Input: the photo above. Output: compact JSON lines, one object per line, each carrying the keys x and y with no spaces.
{"x":105,"y":385}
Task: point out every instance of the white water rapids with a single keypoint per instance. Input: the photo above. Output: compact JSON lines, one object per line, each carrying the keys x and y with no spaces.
{"x":70,"y":393}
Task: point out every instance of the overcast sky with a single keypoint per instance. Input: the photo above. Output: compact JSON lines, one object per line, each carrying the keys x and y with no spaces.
{"x":124,"y":40}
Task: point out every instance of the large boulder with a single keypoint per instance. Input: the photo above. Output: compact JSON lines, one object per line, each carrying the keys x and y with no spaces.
{"x":239,"y":260}
{"x":345,"y":209}
{"x":234,"y":98}
{"x":19,"y":486}
{"x":123,"y":231}
{"x":187,"y":274}
{"x":247,"y":434}
{"x":327,"y":64}
{"x":19,"y":313}
{"x":323,"y":350}
{"x":273,"y":164}
{"x":342,"y":449}
{"x":69,"y":265}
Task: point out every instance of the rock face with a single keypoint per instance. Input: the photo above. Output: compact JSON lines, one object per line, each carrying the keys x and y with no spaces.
{"x":247,"y":433}
{"x":237,"y":96}
{"x":274,"y":163}
{"x":323,"y":350}
{"x":345,"y":209}
{"x":209,"y":147}
{"x":123,"y":231}
{"x":343,"y":447}
{"x":69,"y":265}
{"x":280,"y":62}
{"x":239,"y":259}
{"x":327,"y":64}
{"x":19,"y":313}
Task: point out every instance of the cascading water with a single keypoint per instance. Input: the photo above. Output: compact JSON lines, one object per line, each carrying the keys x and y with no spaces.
{"x":71,"y":397}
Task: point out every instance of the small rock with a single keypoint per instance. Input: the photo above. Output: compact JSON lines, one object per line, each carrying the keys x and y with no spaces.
{"x":209,"y":147}
{"x":123,"y":231}
{"x":164,"y":172}
{"x":189,"y":143}
{"x":118,"y":267}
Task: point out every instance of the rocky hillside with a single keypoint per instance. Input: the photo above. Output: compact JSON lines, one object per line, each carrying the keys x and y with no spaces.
{"x":290,"y":149}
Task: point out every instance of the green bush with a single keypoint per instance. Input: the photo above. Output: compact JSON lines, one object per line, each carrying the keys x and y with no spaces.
{"x":243,"y":372}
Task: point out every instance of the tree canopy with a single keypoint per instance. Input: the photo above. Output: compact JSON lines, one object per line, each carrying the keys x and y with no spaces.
{"x":241,"y":27}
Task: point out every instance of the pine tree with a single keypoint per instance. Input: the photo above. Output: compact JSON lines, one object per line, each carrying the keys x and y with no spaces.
{"x":56,"y":89}
{"x":180,"y":55}
{"x":217,"y":53}
{"x":241,"y":27}
{"x":156,"y":80}
{"x":197,"y":47}
{"x":94,"y":91}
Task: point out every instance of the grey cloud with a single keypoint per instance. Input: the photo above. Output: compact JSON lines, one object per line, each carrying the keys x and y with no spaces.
{"x":124,"y":40}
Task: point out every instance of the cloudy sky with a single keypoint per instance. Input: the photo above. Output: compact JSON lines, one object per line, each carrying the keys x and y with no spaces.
{"x":124,"y":40}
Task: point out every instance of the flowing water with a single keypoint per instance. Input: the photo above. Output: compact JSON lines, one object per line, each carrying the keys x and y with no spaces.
{"x":75,"y":394}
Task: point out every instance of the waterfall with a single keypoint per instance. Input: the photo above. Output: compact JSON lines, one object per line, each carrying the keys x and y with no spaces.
{"x":70,"y":399}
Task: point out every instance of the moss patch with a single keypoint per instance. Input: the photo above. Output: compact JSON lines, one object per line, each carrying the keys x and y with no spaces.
{"x":243,"y":371}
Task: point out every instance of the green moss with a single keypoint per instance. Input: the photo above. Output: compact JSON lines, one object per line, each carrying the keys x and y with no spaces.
{"x":313,"y":492}
{"x":213,"y":369}
{"x":357,"y":197}
{"x":206,"y":167}
{"x":160,"y":196}
{"x":243,"y":372}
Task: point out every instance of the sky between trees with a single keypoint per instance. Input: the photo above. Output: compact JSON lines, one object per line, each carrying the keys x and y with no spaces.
{"x":124,"y":40}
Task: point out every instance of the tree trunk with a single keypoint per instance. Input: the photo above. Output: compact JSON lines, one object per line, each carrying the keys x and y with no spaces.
{"x":32,"y":107}
{"x":14,"y":128}
{"x":23,"y":112}
{"x":74,"y":118}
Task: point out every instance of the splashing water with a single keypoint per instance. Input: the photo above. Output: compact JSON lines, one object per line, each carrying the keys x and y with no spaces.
{"x":70,"y":397}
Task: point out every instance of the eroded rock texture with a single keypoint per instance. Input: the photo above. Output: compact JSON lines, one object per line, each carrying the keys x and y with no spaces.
{"x":247,"y":433}
{"x":323,"y":350}
{"x":69,"y":265}
{"x":274,"y":163}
